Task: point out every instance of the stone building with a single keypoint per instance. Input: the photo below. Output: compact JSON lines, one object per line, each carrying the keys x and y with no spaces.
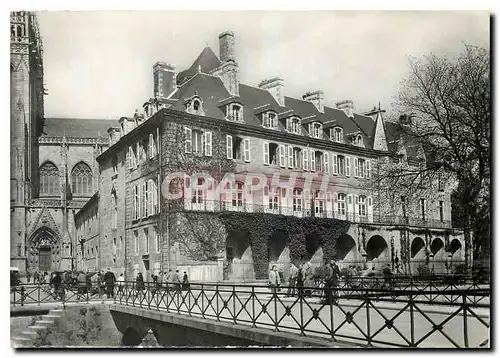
{"x":53,"y":167}
{"x":262,"y":179}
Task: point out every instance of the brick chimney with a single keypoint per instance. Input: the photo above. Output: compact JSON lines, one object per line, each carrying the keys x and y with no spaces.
{"x":347,"y":106}
{"x":164,"y":80}
{"x":317,"y":98}
{"x":227,"y":46}
{"x":275,"y":87}
{"x":228,"y":71}
{"x":114,"y":135}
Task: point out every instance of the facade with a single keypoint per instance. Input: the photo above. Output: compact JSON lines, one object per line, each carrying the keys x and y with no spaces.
{"x":207,"y":147}
{"x":53,"y":167}
{"x":213,"y":177}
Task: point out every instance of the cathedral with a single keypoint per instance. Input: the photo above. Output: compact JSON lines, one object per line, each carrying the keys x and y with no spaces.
{"x":53,"y":171}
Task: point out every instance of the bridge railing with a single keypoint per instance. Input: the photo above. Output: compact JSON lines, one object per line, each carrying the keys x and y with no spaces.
{"x":376,"y":317}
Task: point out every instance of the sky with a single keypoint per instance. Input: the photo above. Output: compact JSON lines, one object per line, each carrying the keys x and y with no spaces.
{"x":98,"y":64}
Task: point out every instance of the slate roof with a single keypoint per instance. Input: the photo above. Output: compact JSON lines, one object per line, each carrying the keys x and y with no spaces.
{"x":207,"y":60}
{"x":77,"y":127}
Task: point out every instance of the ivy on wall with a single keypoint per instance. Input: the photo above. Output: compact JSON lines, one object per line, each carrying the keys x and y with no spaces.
{"x":261,"y":227}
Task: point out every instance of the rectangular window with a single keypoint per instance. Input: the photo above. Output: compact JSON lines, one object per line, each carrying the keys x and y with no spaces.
{"x":441,"y":211}
{"x":290,"y":156}
{"x":348,"y":166}
{"x":246,"y":149}
{"x":138,"y":154}
{"x":130,"y":158}
{"x":229,"y":147}
{"x":157,"y":239}
{"x":188,"y":144}
{"x":152,"y":146}
{"x":146,"y":241}
{"x":137,"y":202}
{"x":422,"y":209}
{"x":136,"y":242}
{"x":313,"y":160}
{"x":305,"y":159}
{"x":368,"y":170}
{"x":326,"y":163}
{"x":144,"y":206}
{"x":356,"y":167}
{"x":282,"y":156}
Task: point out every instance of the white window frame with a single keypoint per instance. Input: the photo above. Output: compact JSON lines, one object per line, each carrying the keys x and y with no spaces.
{"x":266,"y":154}
{"x":282,"y":155}
{"x":305,"y":158}
{"x":362,"y":206}
{"x":207,"y":140}
{"x":347,"y":166}
{"x":297,"y":200}
{"x":342,"y":204}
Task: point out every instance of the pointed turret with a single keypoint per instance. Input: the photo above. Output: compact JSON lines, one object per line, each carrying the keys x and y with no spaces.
{"x":379,"y":137}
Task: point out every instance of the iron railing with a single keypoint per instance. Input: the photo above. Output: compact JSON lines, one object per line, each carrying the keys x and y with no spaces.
{"x":301,"y":211}
{"x":363,"y":316}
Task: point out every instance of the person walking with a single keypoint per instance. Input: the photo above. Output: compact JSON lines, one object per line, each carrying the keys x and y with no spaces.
{"x":139,"y":285}
{"x":177,"y":281}
{"x":109,"y":281}
{"x":331,"y":282}
{"x":387,"y":272}
{"x":35,"y":277}
{"x":82,"y":284}
{"x":153,"y":285}
{"x":57,"y":284}
{"x":28,"y":276}
{"x":185,"y":282}
{"x":274,"y":279}
{"x":46,"y":278}
{"x":292,"y":280}
{"x":299,"y":282}
{"x":120,"y":283}
{"x":308,"y":278}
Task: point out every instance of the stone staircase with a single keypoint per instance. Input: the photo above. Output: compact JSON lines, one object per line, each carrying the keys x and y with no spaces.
{"x":25,"y":338}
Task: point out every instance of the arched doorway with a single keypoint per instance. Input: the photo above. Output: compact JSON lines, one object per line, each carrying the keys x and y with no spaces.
{"x":455,"y":254}
{"x":346,"y":252}
{"x":314,"y":252}
{"x":377,"y":252}
{"x":239,"y":262}
{"x":417,"y":254}
{"x":438,"y":258}
{"x":44,"y":252}
{"x":278,"y":252}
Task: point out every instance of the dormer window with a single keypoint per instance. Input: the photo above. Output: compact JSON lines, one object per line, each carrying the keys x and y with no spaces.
{"x":315,"y":130}
{"x":337,"y":134}
{"x":195,"y":106}
{"x":270,"y":120}
{"x":293,"y":125}
{"x":234,"y":112}
{"x":358,"y":140}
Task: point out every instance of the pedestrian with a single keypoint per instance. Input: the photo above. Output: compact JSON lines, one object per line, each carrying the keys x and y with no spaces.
{"x":35,"y":277}
{"x":139,"y":285}
{"x":299,"y":283}
{"x":331,"y":282}
{"x":154,"y":284}
{"x":57,"y":285}
{"x":274,"y":279}
{"x":185,"y":281}
{"x":82,"y":284}
{"x":170,"y":280}
{"x":28,"y":276}
{"x":387,"y":272}
{"x":109,"y":281}
{"x":177,"y":281}
{"x":120,"y":283}
{"x":46,"y":278}
{"x":308,"y":278}
{"x":292,"y":280}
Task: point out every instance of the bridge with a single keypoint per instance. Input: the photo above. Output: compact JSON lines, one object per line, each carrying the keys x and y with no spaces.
{"x":450,"y":316}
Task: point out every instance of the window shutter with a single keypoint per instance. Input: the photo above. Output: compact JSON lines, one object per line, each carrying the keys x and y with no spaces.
{"x":326,"y":163}
{"x":335,"y":164}
{"x":313,"y":161}
{"x":305,"y":160}
{"x":229,"y":147}
{"x":157,"y":141}
{"x":310,"y":129}
{"x":246,"y":149}
{"x":425,"y":209}
{"x":208,"y":143}
{"x":348,"y":166}
{"x":368,"y":170}
{"x":356,"y":168}
{"x":266,"y":153}
{"x":134,"y":213}
{"x":187,"y":140}
{"x":288,"y":124}
{"x":290,"y":156}
{"x":139,"y":203}
{"x":130,"y":152}
{"x":282,"y":155}
{"x":151,"y":146}
{"x":144,"y":199}
{"x":155,"y":198}
{"x":138,"y":150}
{"x":150,"y":197}
{"x":356,"y":204}
{"x":370,"y":209}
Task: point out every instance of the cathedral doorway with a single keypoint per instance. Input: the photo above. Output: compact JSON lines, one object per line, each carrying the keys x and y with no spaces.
{"x":44,"y":258}
{"x":44,"y":250}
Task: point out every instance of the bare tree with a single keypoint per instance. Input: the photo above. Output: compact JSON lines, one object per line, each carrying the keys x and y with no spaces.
{"x":449,"y":105}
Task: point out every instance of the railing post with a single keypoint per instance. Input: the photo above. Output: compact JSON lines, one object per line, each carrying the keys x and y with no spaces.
{"x":368,"y":331}
{"x":217,"y":301}
{"x":253,"y":306}
{"x":330,"y":302}
{"x":275,"y":296}
{"x":466,"y":333}
{"x":202,"y":303}
{"x":38,"y":295}
{"x":412,"y":323}
{"x":301,"y":298}
{"x":234,"y":304}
